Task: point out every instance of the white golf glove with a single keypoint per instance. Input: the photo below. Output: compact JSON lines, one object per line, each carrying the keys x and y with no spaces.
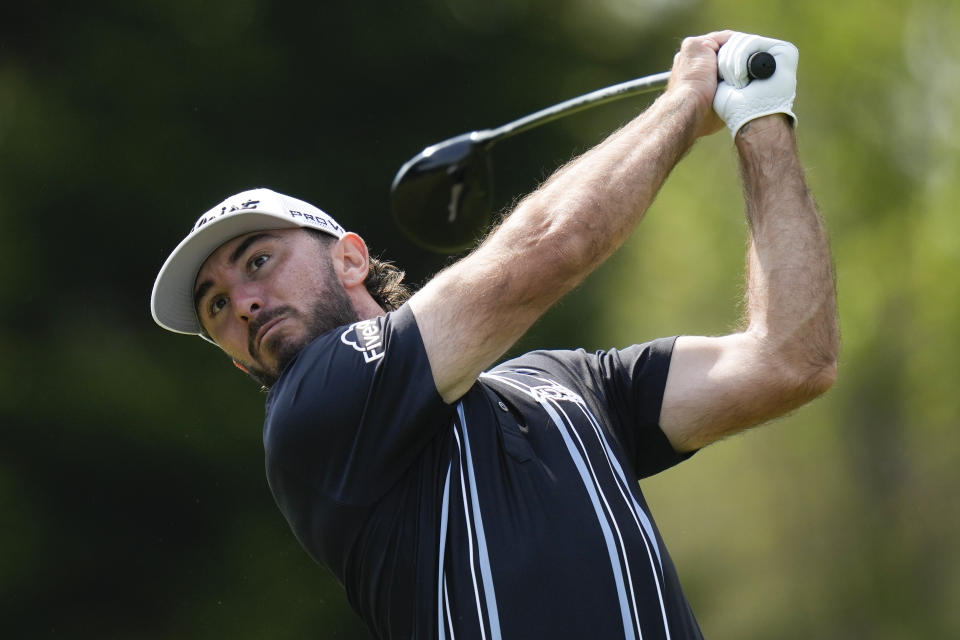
{"x":739,"y":99}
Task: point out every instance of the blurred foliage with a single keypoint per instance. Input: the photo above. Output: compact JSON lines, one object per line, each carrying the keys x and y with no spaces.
{"x":131,"y":476}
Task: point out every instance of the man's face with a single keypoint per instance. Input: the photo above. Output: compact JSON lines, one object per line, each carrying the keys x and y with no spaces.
{"x":264,"y":296}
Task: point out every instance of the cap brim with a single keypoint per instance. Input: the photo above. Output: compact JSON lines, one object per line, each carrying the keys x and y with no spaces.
{"x":172,"y":302}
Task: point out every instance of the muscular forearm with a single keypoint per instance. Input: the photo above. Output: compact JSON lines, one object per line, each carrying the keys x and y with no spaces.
{"x":589,"y":207}
{"x":551,"y":241}
{"x":472,"y":312}
{"x":791,"y":303}
{"x":786,"y":355}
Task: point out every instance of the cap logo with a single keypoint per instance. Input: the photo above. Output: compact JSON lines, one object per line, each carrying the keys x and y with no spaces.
{"x":224,"y":210}
{"x":326,"y":223}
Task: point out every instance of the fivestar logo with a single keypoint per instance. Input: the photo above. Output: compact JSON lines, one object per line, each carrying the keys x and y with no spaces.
{"x":365,"y":337}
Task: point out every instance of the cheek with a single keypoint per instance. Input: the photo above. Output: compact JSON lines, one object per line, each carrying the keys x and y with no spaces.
{"x":301,"y":288}
{"x":232,"y":340}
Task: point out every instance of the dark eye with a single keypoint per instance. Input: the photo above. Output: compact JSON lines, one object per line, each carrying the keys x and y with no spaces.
{"x":217,"y":305}
{"x":258,"y":261}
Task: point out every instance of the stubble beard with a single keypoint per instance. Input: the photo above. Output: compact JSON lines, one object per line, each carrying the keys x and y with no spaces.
{"x":331,"y":310}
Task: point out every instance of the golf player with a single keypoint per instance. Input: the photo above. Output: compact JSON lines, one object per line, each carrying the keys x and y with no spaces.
{"x":454,"y":497}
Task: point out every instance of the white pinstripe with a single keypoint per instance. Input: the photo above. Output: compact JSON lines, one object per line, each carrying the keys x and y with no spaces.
{"x":446,"y":597}
{"x":466,"y":517}
{"x":442,"y":596}
{"x":593,"y":490}
{"x":549,"y":394}
{"x":645,"y":527}
{"x":613,"y":520}
{"x":483,"y":556}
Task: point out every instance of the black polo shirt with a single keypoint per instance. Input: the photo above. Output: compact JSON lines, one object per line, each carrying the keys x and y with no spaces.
{"x":515,"y":513}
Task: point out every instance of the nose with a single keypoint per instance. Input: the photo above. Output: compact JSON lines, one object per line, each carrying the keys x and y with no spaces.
{"x":247,"y":303}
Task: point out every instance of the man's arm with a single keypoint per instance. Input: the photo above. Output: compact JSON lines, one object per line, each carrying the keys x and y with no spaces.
{"x":788,"y":351}
{"x":475,"y":310}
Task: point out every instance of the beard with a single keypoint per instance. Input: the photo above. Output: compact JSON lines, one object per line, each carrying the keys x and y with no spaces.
{"x":331,"y":310}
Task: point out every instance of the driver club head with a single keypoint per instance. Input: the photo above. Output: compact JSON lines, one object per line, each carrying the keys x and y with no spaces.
{"x":442,"y":197}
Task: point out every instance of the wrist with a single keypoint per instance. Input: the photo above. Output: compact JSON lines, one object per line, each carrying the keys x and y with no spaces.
{"x":694,"y":108}
{"x":767,"y":149}
{"x":773,"y":128}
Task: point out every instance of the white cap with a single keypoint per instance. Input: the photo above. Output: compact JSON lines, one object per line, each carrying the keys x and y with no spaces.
{"x":172,"y":302}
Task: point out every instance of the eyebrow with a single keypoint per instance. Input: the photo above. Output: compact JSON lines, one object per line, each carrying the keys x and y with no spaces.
{"x":234,"y":256}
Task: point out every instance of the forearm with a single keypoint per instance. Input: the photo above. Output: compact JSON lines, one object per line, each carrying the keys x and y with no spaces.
{"x":790,"y":296}
{"x":472,"y":312}
{"x":589,"y":207}
{"x":786,"y":354}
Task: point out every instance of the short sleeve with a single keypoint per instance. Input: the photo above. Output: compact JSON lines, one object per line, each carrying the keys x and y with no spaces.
{"x":634,"y":380}
{"x":351,"y":413}
{"x":626,"y":387}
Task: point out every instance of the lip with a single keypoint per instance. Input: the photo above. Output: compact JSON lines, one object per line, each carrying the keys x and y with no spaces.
{"x":262,"y":333}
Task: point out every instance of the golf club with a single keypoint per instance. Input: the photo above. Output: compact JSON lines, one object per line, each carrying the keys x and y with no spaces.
{"x":442,"y":197}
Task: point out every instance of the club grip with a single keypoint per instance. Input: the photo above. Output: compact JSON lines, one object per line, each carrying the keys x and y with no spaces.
{"x":761,"y":65}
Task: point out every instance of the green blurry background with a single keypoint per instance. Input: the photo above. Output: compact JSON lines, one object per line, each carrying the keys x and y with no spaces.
{"x":132,"y":491}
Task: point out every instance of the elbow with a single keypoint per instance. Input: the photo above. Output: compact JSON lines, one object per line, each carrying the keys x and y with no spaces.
{"x":822,"y":363}
{"x":783,"y":389}
{"x":793,"y":375}
{"x":805,"y":366}
{"x":822,"y":379}
{"x":807,"y":381}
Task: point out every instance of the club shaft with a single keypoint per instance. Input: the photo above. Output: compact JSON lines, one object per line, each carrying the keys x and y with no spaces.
{"x":626,"y":89}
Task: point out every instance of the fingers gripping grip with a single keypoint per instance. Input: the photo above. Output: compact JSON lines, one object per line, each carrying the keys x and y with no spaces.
{"x":746,"y":57}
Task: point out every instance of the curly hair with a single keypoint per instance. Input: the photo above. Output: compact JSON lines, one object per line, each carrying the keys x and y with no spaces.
{"x":384,"y":279}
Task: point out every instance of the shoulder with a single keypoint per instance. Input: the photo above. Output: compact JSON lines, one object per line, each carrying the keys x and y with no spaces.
{"x":630,"y":381}
{"x":645,"y":360}
{"x":353,"y":406}
{"x":330,"y":380}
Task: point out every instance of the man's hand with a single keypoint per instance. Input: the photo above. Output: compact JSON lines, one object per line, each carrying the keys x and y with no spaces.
{"x":695,"y":70}
{"x":739,"y":100}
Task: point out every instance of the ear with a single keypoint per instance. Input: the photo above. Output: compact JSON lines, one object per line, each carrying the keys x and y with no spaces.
{"x":351,"y":260}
